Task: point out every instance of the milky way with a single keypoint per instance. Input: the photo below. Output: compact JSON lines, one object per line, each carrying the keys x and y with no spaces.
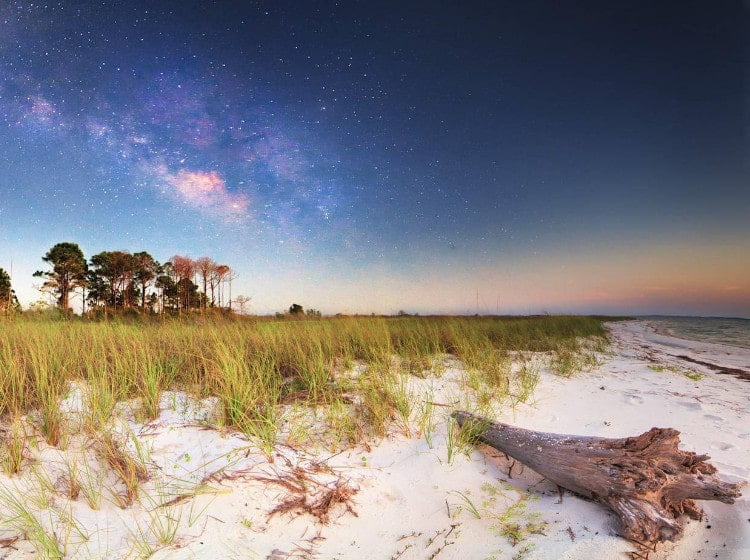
{"x":182,"y":138}
{"x":364,"y":157}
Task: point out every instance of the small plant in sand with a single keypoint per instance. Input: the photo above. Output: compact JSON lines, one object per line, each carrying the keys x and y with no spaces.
{"x":692,"y":375}
{"x":151,"y":383}
{"x":89,"y":479}
{"x":73,"y":531}
{"x":299,"y":425}
{"x":565,"y":362}
{"x":525,"y":382}
{"x":41,"y":489}
{"x":197,"y":511}
{"x":13,"y":446}
{"x":450,"y":439}
{"x":19,"y":516}
{"x":70,"y":479}
{"x":128,"y":470}
{"x":462,"y":439}
{"x":344,"y":428}
{"x":513,"y":522}
{"x":466,"y":504}
{"x":165,"y":514}
{"x":49,"y":388}
{"x":384,"y":399}
{"x":249,"y":390}
{"x":141,"y":543}
{"x":100,"y":397}
{"x":575,"y":354}
{"x":426,"y":420}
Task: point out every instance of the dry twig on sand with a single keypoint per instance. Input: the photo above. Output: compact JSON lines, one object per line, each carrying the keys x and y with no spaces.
{"x":312,"y":496}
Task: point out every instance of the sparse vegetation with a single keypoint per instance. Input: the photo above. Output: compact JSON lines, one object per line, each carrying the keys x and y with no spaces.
{"x":506,"y":509}
{"x":692,"y":375}
{"x":351,"y":377}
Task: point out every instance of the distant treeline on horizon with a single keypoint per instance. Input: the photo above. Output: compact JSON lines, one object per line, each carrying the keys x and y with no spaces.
{"x":115,"y":281}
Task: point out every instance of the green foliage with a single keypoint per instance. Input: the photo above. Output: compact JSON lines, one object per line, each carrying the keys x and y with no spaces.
{"x":5,"y":288}
{"x":68,"y":271}
{"x":271,"y":379}
{"x":258,"y":366}
{"x":507,"y":509}
{"x":118,"y":282}
{"x":8,"y":300}
{"x":692,"y":375}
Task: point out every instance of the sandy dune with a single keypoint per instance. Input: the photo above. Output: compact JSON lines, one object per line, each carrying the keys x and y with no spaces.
{"x":213,"y":495}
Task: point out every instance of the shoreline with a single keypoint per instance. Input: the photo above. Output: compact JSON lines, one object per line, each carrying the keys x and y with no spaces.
{"x":711,"y":357}
{"x":725,"y":327}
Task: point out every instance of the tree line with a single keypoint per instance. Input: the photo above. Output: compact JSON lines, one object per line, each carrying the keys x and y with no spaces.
{"x":115,"y":281}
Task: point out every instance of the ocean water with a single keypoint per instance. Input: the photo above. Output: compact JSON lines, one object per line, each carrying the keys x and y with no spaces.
{"x":735,"y":332}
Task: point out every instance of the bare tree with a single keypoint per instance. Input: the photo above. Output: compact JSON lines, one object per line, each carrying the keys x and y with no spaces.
{"x":205,"y":266}
{"x":231,"y":276}
{"x":242,"y":301}
{"x":222,"y":273}
{"x":214,"y":282}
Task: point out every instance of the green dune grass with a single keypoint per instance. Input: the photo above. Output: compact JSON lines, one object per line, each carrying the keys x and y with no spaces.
{"x":256,"y":366}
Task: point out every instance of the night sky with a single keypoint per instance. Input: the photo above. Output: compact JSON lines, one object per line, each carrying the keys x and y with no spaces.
{"x":511,"y":157}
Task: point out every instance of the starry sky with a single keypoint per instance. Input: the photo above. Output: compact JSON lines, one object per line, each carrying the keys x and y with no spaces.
{"x":426,"y":156}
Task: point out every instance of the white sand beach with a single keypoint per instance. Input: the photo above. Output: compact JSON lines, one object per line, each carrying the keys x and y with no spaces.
{"x":411,"y":496}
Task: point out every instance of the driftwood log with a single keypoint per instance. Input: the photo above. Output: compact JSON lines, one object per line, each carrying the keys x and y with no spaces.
{"x":644,"y":479}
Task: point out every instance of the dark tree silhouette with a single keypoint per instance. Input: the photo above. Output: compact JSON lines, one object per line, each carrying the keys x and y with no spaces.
{"x":113,"y":270}
{"x":146,"y":269}
{"x":68,"y":271}
{"x":8,"y":299}
{"x":97,"y":288}
{"x":191,"y":297}
{"x":168,"y":287}
{"x":119,"y":279}
{"x":184,"y":269}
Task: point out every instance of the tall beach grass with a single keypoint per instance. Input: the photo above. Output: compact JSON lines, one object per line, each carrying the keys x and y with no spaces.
{"x":75,"y":388}
{"x":256,"y":367}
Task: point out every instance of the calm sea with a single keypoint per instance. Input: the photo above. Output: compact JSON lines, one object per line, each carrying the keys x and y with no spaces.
{"x":735,"y":332}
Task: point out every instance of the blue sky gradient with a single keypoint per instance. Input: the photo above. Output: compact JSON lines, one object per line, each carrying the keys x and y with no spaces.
{"x":371,"y":158}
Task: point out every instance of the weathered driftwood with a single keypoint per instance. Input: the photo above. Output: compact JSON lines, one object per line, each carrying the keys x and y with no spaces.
{"x":645,"y":479}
